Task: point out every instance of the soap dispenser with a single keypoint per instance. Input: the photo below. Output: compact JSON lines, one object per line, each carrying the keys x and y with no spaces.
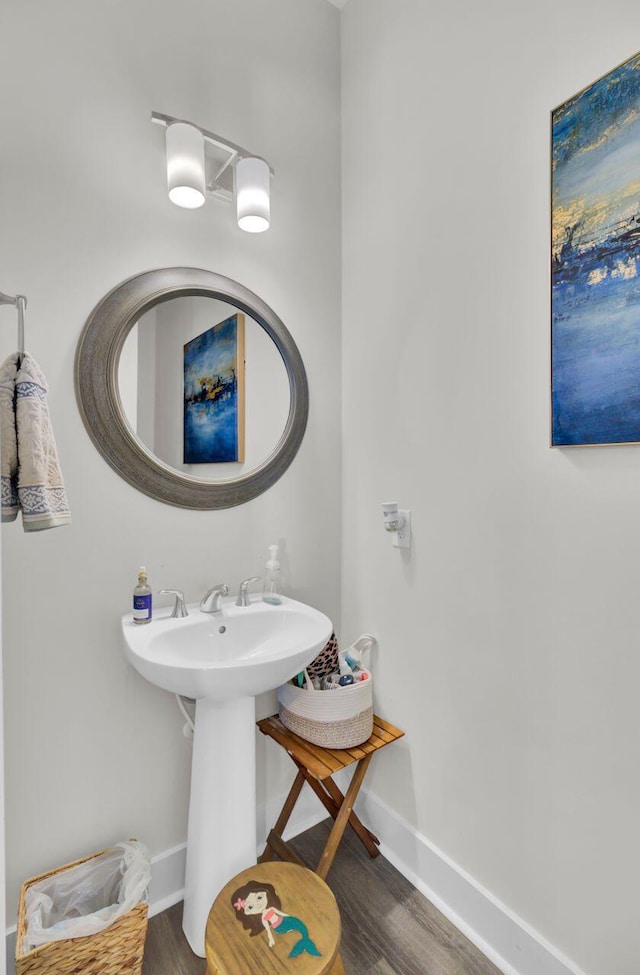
{"x":271,"y":591}
{"x":142,"y":598}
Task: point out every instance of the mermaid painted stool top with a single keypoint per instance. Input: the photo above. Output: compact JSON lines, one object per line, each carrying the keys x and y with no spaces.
{"x":274,"y":919}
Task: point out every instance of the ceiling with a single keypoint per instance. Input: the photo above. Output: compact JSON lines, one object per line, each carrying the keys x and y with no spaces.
{"x":339,"y":3}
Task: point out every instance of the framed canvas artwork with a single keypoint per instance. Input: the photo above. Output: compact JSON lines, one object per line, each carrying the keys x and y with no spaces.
{"x":214,"y":394}
{"x":595,"y":262}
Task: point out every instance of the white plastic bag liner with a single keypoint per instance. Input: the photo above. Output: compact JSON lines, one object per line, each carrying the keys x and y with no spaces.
{"x":87,"y":898}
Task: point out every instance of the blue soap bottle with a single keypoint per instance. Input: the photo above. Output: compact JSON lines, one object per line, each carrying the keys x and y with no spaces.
{"x":142,"y":598}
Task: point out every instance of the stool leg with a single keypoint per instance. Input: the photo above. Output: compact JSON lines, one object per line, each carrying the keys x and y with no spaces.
{"x":343,"y":817}
{"x":332,"y":799}
{"x":369,"y":839}
{"x":284,"y":816}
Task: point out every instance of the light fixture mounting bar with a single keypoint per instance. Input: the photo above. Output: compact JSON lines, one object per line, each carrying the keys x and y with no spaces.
{"x":213,"y":181}
{"x":216,"y":140}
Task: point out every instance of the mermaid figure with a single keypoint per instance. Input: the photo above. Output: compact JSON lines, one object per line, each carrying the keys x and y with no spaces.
{"x":258,"y":908}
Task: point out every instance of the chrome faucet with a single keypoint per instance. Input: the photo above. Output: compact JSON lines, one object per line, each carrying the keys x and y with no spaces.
{"x":214,"y":595}
{"x":179,"y":608}
{"x":243,"y":595}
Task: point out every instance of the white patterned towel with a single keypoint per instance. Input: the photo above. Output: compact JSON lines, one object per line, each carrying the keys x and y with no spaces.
{"x":31,"y":476}
{"x":8,"y":439}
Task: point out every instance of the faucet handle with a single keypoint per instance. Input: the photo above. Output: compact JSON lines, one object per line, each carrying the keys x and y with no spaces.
{"x":214,"y":595}
{"x":179,"y":608}
{"x":243,"y":597}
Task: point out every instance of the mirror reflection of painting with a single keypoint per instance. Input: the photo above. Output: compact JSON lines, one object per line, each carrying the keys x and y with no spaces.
{"x":214,"y":394}
{"x":151,"y":384}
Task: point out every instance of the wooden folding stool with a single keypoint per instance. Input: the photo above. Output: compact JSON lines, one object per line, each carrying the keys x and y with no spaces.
{"x":317,"y":766}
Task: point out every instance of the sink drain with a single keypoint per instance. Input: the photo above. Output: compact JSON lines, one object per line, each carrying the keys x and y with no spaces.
{"x":222,"y":629}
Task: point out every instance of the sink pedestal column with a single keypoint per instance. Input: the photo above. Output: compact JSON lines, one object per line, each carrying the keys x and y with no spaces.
{"x":221,"y":839}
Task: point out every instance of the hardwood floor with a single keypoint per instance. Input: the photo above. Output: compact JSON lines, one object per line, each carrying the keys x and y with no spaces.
{"x":388,"y":927}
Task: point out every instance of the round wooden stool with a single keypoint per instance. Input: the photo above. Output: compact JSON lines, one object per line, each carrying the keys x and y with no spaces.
{"x":272,"y":919}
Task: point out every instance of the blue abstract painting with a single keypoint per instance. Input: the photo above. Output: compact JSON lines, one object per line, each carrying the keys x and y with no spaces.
{"x":214,"y":394}
{"x":595,"y":267}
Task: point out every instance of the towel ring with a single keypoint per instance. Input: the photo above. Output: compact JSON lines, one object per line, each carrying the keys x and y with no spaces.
{"x":20,"y":302}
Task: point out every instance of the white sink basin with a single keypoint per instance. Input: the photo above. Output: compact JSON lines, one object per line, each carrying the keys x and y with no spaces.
{"x":223,"y":660}
{"x":239,"y":651}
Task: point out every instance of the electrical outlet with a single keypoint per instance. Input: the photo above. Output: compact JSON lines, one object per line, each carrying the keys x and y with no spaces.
{"x":402,"y":538}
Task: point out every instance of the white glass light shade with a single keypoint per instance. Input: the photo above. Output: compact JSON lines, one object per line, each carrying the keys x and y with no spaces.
{"x":185,"y":165}
{"x":252,"y":195}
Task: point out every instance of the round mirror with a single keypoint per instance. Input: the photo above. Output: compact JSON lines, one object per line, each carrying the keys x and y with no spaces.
{"x":191,"y":388}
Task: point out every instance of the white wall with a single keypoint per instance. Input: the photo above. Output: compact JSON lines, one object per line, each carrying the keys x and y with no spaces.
{"x":94,"y":754}
{"x":509,"y":637}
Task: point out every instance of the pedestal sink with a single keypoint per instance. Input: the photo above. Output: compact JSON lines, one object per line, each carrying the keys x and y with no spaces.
{"x":223,"y":660}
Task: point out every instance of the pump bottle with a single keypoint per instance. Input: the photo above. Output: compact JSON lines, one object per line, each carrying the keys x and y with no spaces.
{"x":271,"y":590}
{"x":142,"y":598}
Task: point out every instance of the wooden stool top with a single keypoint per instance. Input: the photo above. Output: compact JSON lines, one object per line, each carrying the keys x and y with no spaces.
{"x":325,"y":762}
{"x":286,"y":904}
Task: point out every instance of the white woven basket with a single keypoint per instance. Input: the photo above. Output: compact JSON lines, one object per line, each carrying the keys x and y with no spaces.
{"x":340,"y":718}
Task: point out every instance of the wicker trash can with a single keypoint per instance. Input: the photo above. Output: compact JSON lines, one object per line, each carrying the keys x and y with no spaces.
{"x":117,"y":950}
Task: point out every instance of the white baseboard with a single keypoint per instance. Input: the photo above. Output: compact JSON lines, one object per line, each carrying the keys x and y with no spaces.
{"x":11,"y":950}
{"x":511,"y":944}
{"x":508,"y":941}
{"x":167,"y":879}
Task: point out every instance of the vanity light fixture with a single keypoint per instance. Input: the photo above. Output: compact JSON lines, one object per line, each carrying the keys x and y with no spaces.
{"x":252,"y":194}
{"x":201,"y":164}
{"x":398,"y":522}
{"x":185,"y":165}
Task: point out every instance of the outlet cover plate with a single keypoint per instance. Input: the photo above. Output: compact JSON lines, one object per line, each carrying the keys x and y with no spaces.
{"x":402,"y":538}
